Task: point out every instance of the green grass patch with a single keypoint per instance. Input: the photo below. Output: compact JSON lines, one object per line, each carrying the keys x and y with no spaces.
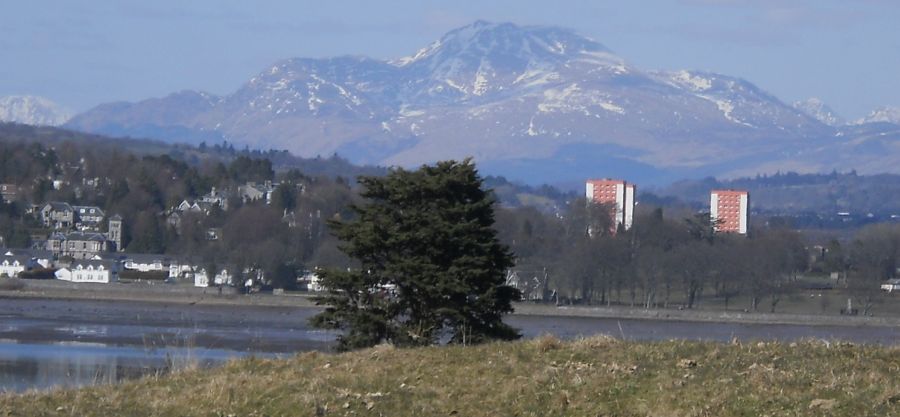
{"x":542,"y":377}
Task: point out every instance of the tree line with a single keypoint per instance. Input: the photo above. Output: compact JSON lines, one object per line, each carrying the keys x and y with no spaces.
{"x":677,"y":259}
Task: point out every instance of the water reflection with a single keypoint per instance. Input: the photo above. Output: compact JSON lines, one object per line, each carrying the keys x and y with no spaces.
{"x":70,"y":364}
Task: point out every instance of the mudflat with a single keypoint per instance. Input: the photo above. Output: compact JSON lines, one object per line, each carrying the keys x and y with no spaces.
{"x":144,"y":314}
{"x":160,"y":323}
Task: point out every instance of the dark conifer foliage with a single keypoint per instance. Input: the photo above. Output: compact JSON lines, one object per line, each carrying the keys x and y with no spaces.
{"x":431,"y":268}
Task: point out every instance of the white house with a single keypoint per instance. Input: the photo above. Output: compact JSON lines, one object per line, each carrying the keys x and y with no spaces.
{"x":148,"y":263}
{"x":181,"y":270}
{"x":42,"y":258}
{"x":90,"y":271}
{"x":11,"y":265}
{"x":201,"y":278}
{"x":891,"y":285}
{"x":88,"y":217}
{"x":39,"y":258}
{"x":312,"y":281}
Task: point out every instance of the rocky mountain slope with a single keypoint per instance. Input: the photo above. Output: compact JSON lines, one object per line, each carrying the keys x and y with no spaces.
{"x":32,"y":110}
{"x":882,"y":115}
{"x":540,"y":104}
{"x":820,"y":111}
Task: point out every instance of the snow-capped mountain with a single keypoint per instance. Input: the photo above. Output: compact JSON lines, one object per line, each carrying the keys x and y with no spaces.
{"x":535,"y":103}
{"x":820,"y":111}
{"x":32,"y":110}
{"x":882,"y":115}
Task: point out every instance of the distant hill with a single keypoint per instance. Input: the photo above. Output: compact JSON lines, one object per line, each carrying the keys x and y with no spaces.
{"x":511,"y":194}
{"x":331,"y":166}
{"x":792,"y":193}
{"x":531,"y":103}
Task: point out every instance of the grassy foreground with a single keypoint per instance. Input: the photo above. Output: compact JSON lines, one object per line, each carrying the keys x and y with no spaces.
{"x":542,"y":377}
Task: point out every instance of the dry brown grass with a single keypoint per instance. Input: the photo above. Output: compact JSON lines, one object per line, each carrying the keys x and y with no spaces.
{"x":542,"y":377}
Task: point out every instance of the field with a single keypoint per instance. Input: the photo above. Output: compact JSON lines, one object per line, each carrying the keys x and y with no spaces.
{"x":540,"y":377}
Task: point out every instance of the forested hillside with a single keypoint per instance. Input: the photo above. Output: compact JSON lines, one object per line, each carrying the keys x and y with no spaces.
{"x":329,"y":165}
{"x":145,"y":181}
{"x":797,"y":193}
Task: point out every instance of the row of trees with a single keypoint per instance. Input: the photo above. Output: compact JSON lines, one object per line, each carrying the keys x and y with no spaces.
{"x":676,"y":258}
{"x":863,"y":263}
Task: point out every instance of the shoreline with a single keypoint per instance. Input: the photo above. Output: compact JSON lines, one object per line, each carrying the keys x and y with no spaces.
{"x":702,"y":316}
{"x":191,"y":296}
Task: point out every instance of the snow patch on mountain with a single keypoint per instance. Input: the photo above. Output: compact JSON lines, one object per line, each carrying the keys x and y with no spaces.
{"x":606,"y":60}
{"x":480,"y":86}
{"x":573,"y":99}
{"x":696,"y":83}
{"x":559,"y":99}
{"x":536,"y":77}
{"x":727,"y":108}
{"x":610,"y":106}
{"x":817,"y":109}
{"x":419,"y":55}
{"x":882,"y":115}
{"x":32,"y":110}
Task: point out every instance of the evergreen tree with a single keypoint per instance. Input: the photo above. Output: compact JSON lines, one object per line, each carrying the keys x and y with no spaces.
{"x":431,"y":269}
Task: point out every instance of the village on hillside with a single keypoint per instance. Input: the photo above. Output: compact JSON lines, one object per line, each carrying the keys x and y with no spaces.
{"x":83,"y":244}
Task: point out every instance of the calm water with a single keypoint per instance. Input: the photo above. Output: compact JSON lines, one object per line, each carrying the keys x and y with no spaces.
{"x":26,"y":366}
{"x":43,"y":353}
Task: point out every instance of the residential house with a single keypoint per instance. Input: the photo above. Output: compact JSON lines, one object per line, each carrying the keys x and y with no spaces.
{"x":90,"y":270}
{"x":183,"y":268}
{"x":78,"y":245}
{"x":312,"y":282}
{"x":188,"y":206}
{"x":222,"y":278}
{"x":204,"y":206}
{"x":9,"y":192}
{"x":147,"y":262}
{"x":41,"y":258}
{"x":58,"y":215}
{"x":891,"y":285}
{"x":88,"y":217}
{"x":254,"y":191}
{"x":11,"y":264}
{"x":215,"y":198}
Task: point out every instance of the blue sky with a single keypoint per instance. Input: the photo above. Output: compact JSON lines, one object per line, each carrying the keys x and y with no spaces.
{"x":82,"y":53}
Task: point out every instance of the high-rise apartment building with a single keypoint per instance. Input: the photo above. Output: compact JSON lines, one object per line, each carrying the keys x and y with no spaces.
{"x":617,"y":193}
{"x":729,"y":208}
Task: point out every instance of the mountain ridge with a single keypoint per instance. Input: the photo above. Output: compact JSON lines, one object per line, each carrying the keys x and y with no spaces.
{"x":538,"y":98}
{"x":32,"y":110}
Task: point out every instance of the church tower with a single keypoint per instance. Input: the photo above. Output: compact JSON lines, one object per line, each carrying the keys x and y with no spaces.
{"x":114,"y":233}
